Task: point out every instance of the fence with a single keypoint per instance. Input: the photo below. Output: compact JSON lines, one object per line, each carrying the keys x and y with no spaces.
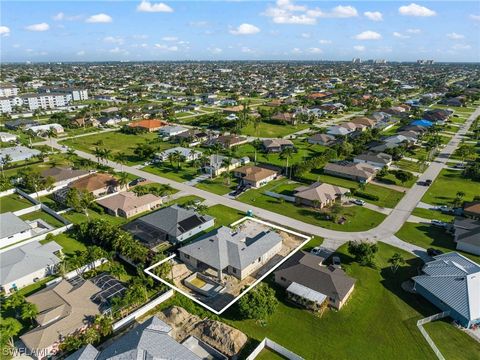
{"x":280,"y":196}
{"x":425,"y":334}
{"x":270,"y":344}
{"x":144,"y":309}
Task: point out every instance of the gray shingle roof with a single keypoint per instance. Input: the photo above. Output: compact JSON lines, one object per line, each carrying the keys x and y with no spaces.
{"x":222,"y":247}
{"x":11,"y":224}
{"x":454,"y":280}
{"x":26,"y":259}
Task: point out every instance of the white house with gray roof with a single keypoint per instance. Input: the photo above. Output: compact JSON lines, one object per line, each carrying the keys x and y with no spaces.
{"x":231,"y":252}
{"x":13,"y":229}
{"x":19,"y":153}
{"x":188,"y":154}
{"x":171,"y":130}
{"x":26,"y":264}
{"x":452,"y":283}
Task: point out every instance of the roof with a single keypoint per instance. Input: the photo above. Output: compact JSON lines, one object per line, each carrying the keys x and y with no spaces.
{"x":277,"y":143}
{"x":147,"y":124}
{"x":255,"y":173}
{"x":306,"y":293}
{"x":454,"y":280}
{"x":422,"y":122}
{"x":62,"y":309}
{"x":472,"y":207}
{"x":375,"y":157}
{"x":322,"y":192}
{"x":361,"y":169}
{"x":60,"y":174}
{"x":94,"y":182}
{"x":467,"y":231}
{"x":306,"y":269}
{"x":127,"y":201}
{"x":11,"y":224}
{"x":173,"y":220}
{"x":149,"y":341}
{"x":322,"y":137}
{"x":173,"y":129}
{"x":27,"y":259}
{"x":223,"y":247}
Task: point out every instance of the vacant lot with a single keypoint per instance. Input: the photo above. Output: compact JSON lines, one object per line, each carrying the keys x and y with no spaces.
{"x":271,"y":130}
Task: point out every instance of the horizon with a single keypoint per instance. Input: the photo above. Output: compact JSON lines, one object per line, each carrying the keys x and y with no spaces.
{"x":282,"y":30}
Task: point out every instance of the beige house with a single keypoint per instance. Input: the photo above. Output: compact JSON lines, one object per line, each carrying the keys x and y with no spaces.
{"x":361,"y":172}
{"x":62,"y":310}
{"x":98,"y":184}
{"x":128,"y":204}
{"x":255,"y":176}
{"x":323,"y":193}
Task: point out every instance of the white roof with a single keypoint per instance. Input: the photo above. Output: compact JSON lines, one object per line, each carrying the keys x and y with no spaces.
{"x":306,"y":293}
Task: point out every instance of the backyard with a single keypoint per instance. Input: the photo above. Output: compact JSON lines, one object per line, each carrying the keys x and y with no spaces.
{"x":13,"y":202}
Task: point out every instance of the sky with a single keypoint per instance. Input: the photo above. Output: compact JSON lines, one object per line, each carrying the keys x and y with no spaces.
{"x":144,"y":30}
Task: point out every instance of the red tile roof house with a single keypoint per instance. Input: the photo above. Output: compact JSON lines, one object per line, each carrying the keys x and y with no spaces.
{"x":149,"y":125}
{"x":98,"y":184}
{"x":357,"y":172}
{"x":472,"y":210}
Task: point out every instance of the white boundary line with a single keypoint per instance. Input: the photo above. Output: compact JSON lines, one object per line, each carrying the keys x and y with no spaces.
{"x":307,"y":239}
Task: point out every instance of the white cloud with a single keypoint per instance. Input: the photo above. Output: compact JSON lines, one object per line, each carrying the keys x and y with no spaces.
{"x":296,"y":51}
{"x":38,"y":27}
{"x":416,"y":10}
{"x":414,"y":31}
{"x":246,"y":50}
{"x":324,"y":41}
{"x":62,"y":16}
{"x":315,"y":50}
{"x":374,"y":15}
{"x":170,"y":38}
{"x":118,"y":50}
{"x":245,"y":29}
{"x":461,"y":47}
{"x":342,"y":12}
{"x":99,"y":18}
{"x":166,"y":47}
{"x":59,"y":16}
{"x":215,"y":50}
{"x":359,"y":48}
{"x":400,"y":35}
{"x":81,"y":53}
{"x":475,"y":17}
{"x":147,"y":6}
{"x":4,"y":31}
{"x":455,"y":36}
{"x":114,"y":40}
{"x":306,"y":35}
{"x":368,"y":35}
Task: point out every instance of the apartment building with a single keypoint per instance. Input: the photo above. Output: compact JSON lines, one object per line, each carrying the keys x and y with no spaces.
{"x":77,"y":94}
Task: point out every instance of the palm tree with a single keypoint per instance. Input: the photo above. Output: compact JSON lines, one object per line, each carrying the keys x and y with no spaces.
{"x":121,"y":158}
{"x":286,"y":154}
{"x":29,"y":311}
{"x":106,"y":154}
{"x":103,"y":324}
{"x":123,"y":180}
{"x":98,"y":154}
{"x":5,"y":160}
{"x":10,"y":328}
{"x":51,"y":133}
{"x":396,"y":260}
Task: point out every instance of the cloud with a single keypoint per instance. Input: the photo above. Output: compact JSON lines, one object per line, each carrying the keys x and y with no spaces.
{"x":164,"y":47}
{"x":306,"y":35}
{"x":342,"y":12}
{"x":4,"y":31}
{"x":38,"y":27}
{"x":474,"y":17}
{"x":416,"y":10}
{"x":324,"y":41}
{"x":245,"y":29}
{"x":296,"y":51}
{"x":198,"y":23}
{"x":414,"y":31}
{"x":461,"y":47}
{"x":315,"y":50}
{"x":59,"y":16}
{"x":170,"y":38}
{"x":62,"y":16}
{"x":368,"y":35}
{"x":81,"y":53}
{"x":400,"y":35}
{"x":118,"y":50}
{"x":359,"y":48}
{"x":374,"y":15}
{"x":215,"y":50}
{"x":114,"y":40}
{"x":147,"y":6}
{"x":246,"y":50}
{"x":99,"y":19}
{"x":455,"y":36}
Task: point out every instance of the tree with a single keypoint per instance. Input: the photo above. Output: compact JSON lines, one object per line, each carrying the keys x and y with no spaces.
{"x":32,"y":180}
{"x":165,"y":269}
{"x":29,"y":311}
{"x":79,"y":200}
{"x":15,"y":302}
{"x":9,"y":328}
{"x":103,"y":324}
{"x":403,"y":176}
{"x":395,"y":261}
{"x":363,"y":252}
{"x":259,"y":303}
{"x":5,"y":160}
{"x":121,"y":158}
{"x":286,"y":154}
{"x":51,"y":133}
{"x":123,"y":180}
{"x":98,"y":154}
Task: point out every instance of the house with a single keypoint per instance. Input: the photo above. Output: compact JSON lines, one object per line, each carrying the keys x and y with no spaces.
{"x":227,"y":141}
{"x":435,"y":115}
{"x":20,"y":124}
{"x":277,"y":145}
{"x":288,"y":118}
{"x":364,"y":121}
{"x":24,"y":265}
{"x":377,"y":160}
{"x":359,"y":172}
{"x":63,"y":176}
{"x":63,"y":309}
{"x":467,"y":235}
{"x":149,"y":125}
{"x":43,"y":129}
{"x":231,"y":252}
{"x":472,"y":210}
{"x":188,"y":154}
{"x":319,"y":193}
{"x":172,"y":130}
{"x":342,"y":130}
{"x":128,"y":204}
{"x":18,"y":153}
{"x":231,"y":117}
{"x":13,"y":229}
{"x":322,"y":139}
{"x":109,"y":120}
{"x":310,"y":284}
{"x":192,"y":136}
{"x":400,"y":139}
{"x":7,"y":137}
{"x":216,"y":164}
{"x":255,"y":176}
{"x":98,"y":184}
{"x":451,"y":282}
{"x":152,"y":339}
{"x":173,"y":224}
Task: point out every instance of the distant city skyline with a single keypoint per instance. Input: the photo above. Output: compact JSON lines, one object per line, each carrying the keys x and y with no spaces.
{"x":42,"y":31}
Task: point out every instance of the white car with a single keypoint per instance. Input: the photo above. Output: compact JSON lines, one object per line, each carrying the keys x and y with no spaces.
{"x":357,"y":202}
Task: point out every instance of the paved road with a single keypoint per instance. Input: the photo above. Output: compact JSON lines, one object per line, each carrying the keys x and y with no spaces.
{"x":384,"y":232}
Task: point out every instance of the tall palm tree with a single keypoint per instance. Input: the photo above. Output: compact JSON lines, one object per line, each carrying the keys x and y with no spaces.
{"x":121,"y":158}
{"x":51,"y":133}
{"x":106,"y":154}
{"x":29,"y":311}
{"x":286,"y":154}
{"x":5,"y":160}
{"x":10,"y":328}
{"x":98,"y":154}
{"x":123,"y":180}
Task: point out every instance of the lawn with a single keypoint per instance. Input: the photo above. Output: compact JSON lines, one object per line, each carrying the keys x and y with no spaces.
{"x":391,"y":179}
{"x":432,"y":214}
{"x":445,"y":187}
{"x":13,"y":202}
{"x":217,"y":185}
{"x":77,"y":218}
{"x":166,"y":170}
{"x":272,"y":130}
{"x":358,"y":218}
{"x":426,"y":236}
{"x":224,"y":215}
{"x":69,"y":244}
{"x":450,"y":341}
{"x":267,"y":354}
{"x":409,"y":165}
{"x":39,"y":214}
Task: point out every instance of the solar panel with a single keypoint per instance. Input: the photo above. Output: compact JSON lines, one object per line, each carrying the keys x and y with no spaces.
{"x":190,"y":223}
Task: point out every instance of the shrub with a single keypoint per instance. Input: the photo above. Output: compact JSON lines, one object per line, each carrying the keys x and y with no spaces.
{"x":366,"y":195}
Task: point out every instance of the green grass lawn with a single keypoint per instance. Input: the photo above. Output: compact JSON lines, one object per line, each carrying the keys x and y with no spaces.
{"x":69,"y":244}
{"x":267,"y":354}
{"x":409,"y":165}
{"x":358,"y":218}
{"x":432,"y":214}
{"x":426,"y":235}
{"x":164,"y":169}
{"x":445,"y":187}
{"x":13,"y":202}
{"x":39,"y":214}
{"x":391,"y":179}
{"x":272,"y":130}
{"x":77,"y":218}
{"x":449,"y":341}
{"x":217,"y":185}
{"x":224,"y":215}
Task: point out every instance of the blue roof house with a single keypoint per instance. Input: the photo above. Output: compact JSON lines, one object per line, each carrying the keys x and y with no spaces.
{"x":422,"y":122}
{"x":452,"y":283}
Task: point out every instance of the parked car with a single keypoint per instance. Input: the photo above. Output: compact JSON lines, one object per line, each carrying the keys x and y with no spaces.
{"x":438,"y":223}
{"x":137,"y":181}
{"x":460,"y":166}
{"x":336,"y":261}
{"x":428,"y":182}
{"x":357,"y":202}
{"x":434,"y":252}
